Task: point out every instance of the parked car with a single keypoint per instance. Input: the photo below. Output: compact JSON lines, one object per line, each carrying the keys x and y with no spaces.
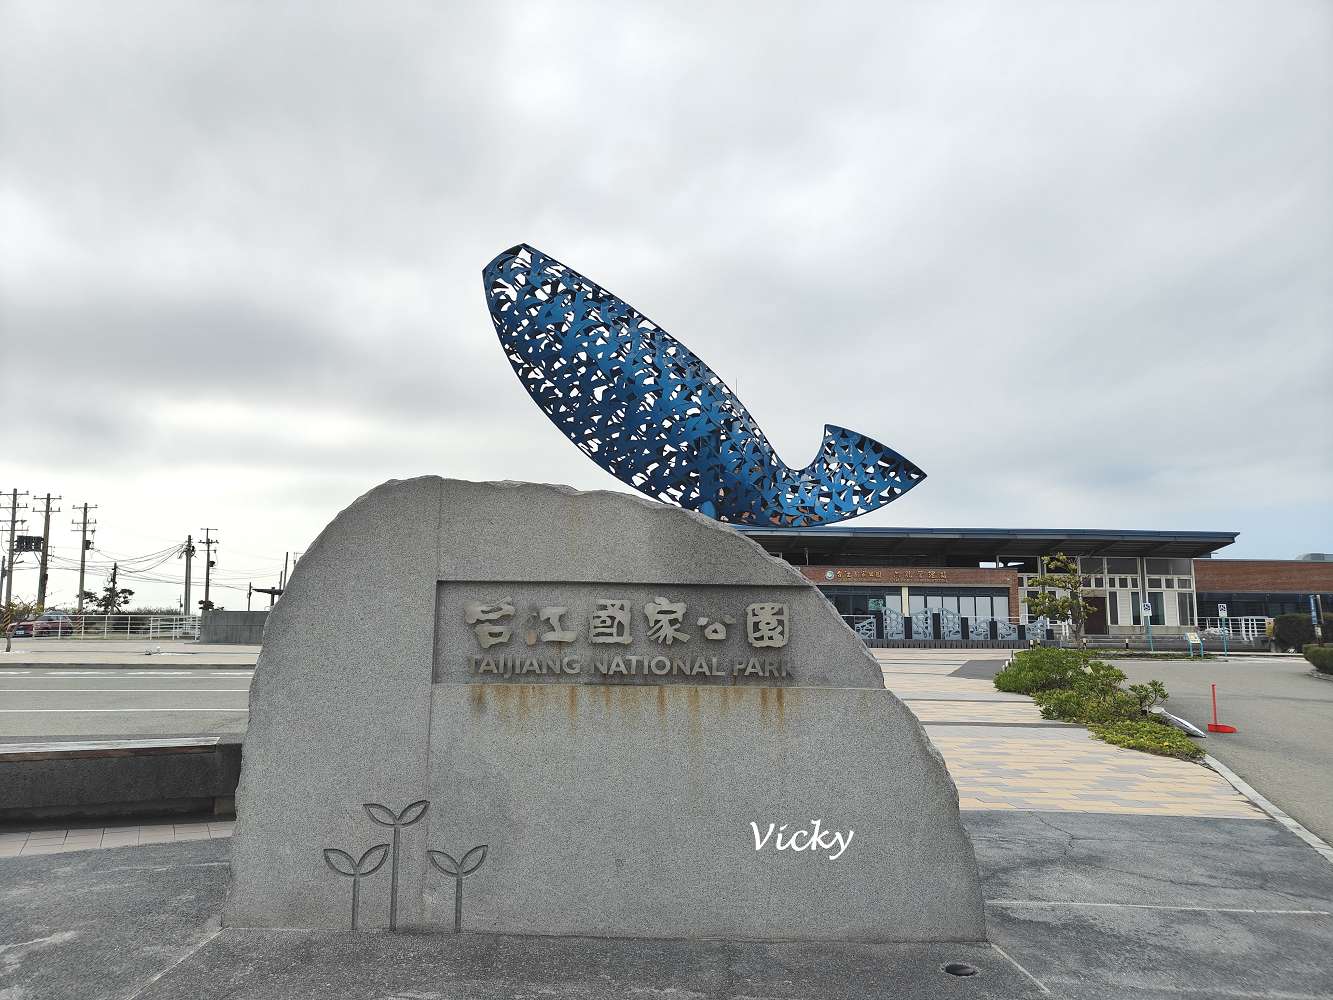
{"x":49,"y":623}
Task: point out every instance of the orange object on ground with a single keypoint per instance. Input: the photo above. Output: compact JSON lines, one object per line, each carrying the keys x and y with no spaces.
{"x":1215,"y":726}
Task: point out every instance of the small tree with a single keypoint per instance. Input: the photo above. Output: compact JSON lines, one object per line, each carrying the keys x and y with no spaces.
{"x":113,"y":597}
{"x":14,"y":612}
{"x":1060,"y":573}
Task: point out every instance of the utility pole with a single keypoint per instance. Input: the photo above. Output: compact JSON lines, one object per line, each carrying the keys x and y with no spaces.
{"x":14,"y":508}
{"x":249,"y":590}
{"x":282,"y":580}
{"x":84,"y":544}
{"x":209,"y":542}
{"x":187,"y":553}
{"x":46,"y":550}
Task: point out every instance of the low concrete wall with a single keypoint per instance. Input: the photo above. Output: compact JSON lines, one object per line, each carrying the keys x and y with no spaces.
{"x":241,"y":627}
{"x":118,"y":778}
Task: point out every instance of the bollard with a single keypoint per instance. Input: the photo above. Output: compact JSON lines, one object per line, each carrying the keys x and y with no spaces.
{"x":1215,"y":726}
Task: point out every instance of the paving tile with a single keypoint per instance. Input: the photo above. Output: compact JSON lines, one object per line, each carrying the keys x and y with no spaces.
{"x":46,"y":848}
{"x":47,"y":837}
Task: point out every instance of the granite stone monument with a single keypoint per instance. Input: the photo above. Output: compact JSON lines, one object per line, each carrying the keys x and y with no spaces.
{"x":513,"y":708}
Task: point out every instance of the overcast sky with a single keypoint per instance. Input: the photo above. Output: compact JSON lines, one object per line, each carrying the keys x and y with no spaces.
{"x":1071,"y":259}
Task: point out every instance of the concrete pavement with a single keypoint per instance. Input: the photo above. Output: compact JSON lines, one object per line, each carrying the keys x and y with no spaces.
{"x":1080,"y":906}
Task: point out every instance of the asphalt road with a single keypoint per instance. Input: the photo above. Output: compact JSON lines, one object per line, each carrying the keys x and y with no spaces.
{"x":1284,"y":747}
{"x":49,"y":703}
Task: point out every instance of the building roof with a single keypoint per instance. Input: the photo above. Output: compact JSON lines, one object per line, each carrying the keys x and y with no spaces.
{"x":835,"y":542}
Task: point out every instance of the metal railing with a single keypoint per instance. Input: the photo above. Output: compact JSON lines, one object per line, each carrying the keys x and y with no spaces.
{"x":76,"y":626}
{"x":1251,"y":628}
{"x":870,"y":628}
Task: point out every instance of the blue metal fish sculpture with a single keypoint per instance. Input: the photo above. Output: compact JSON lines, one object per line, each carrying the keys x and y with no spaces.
{"x":638,"y":403}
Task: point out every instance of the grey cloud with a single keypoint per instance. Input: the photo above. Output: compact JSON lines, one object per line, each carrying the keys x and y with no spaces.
{"x":1071,"y":259}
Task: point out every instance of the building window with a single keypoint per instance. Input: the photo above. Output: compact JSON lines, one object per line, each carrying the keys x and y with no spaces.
{"x":1134,"y":603}
{"x":1183,"y":583}
{"x":1163,"y":567}
{"x":1170,"y":583}
{"x":1155,"y":582}
{"x":1113,"y":609}
{"x":1122,"y":566}
{"x":1158,"y":601}
{"x":1184,"y":609}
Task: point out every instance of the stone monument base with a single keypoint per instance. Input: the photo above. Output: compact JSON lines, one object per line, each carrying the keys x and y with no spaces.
{"x":694,"y":812}
{"x":522,"y":709}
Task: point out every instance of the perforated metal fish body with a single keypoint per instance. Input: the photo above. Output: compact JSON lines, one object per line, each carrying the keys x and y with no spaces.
{"x":642,"y":406}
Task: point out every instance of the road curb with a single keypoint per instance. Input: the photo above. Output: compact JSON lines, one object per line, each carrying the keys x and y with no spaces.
{"x":1242,"y":786}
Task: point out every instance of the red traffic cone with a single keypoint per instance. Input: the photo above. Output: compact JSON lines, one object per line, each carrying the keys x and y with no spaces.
{"x":1215,"y":726}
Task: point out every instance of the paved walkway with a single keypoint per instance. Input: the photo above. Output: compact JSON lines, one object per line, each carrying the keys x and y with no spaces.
{"x":55,"y":841}
{"x":1004,"y":755}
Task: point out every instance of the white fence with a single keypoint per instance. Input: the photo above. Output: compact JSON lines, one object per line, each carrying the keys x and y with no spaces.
{"x":1250,"y":628}
{"x":76,"y":626}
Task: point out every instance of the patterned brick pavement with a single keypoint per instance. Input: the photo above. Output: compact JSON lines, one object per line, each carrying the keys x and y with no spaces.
{"x":58,"y":840}
{"x":1003,"y":755}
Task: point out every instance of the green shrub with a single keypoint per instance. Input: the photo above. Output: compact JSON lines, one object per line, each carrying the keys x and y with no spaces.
{"x":1068,"y":686}
{"x":1321,"y":657}
{"x":1149,"y":736}
{"x":1293,"y":631}
{"x":1088,"y":706}
{"x":1041,"y":669}
{"x":1149,"y":694}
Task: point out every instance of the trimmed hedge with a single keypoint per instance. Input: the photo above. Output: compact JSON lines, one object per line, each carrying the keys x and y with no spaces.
{"x":1044,"y":668}
{"x":1321,"y":657}
{"x":1295,"y":631}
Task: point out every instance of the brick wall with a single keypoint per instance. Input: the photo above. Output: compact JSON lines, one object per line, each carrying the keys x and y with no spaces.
{"x":917,"y":576}
{"x":1262,"y":576}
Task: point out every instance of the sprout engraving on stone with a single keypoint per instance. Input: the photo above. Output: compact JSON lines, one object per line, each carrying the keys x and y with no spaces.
{"x":459,"y":870}
{"x":369,"y":863}
{"x":385,"y":816}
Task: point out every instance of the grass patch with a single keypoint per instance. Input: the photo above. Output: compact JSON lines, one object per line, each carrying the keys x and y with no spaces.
{"x":1149,"y":736}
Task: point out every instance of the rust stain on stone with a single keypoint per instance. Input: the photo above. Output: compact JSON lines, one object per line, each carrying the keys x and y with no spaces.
{"x":503,"y":695}
{"x":661,"y":702}
{"x":572,"y":706}
{"x":478,"y":698}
